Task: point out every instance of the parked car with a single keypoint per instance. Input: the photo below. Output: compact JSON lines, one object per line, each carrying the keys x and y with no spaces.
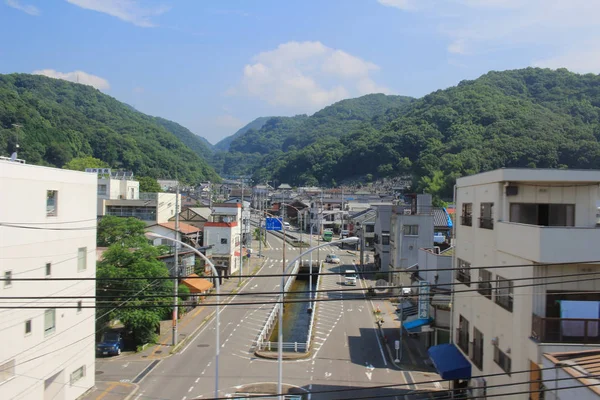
{"x":111,"y":344}
{"x":333,"y":259}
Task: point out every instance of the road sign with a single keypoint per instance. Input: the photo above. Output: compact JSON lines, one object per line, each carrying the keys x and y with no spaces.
{"x":273,"y":224}
{"x":423,"y":300}
{"x":397,"y":344}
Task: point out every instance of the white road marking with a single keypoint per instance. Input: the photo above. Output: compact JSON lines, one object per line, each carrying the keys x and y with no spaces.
{"x":369,"y":374}
{"x":190,"y":389}
{"x":125,"y":365}
{"x":197,"y":380}
{"x":327,"y":374}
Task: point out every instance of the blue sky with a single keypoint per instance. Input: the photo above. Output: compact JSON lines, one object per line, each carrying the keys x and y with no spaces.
{"x":215,"y":65}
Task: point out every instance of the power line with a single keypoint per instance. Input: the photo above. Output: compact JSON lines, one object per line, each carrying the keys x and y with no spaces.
{"x":87,"y":228}
{"x":296,"y":300}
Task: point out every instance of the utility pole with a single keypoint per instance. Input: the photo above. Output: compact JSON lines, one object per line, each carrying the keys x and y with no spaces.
{"x":242,"y":233}
{"x":362,"y":247}
{"x":176,"y":272}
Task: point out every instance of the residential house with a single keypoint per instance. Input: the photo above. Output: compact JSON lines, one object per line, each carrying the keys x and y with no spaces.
{"x":570,"y":375}
{"x":222,"y":232}
{"x":537,"y":232}
{"x":168,"y":185}
{"x":119,"y":195}
{"x":186,"y":233}
{"x":362,"y":224}
{"x":48,"y":231}
{"x":195,"y":216}
{"x":187,"y":261}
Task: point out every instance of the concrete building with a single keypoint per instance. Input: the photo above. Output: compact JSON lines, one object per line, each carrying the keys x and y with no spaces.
{"x":544,"y":222}
{"x":222,"y":232}
{"x":48,"y":231}
{"x":571,"y":375}
{"x":381,"y":238}
{"x":411,"y":228}
{"x":121,"y":197}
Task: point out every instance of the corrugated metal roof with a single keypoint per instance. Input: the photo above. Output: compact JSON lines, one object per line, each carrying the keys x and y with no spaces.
{"x":440,"y":219}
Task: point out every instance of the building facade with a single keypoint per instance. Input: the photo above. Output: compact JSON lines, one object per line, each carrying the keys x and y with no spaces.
{"x":222,"y":232}
{"x":381,"y":237}
{"x":544,"y":223}
{"x":49,"y":353}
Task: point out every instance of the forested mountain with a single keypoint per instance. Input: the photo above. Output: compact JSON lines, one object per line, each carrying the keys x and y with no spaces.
{"x":258,"y":123}
{"x":522,"y":118}
{"x":62,"y":120}
{"x":198,"y":144}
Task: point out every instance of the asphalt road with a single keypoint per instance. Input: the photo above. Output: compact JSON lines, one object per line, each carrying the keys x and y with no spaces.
{"x":347,"y":352}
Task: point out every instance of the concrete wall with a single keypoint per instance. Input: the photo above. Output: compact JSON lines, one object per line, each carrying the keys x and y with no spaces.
{"x":40,"y":355}
{"x":429,"y":263}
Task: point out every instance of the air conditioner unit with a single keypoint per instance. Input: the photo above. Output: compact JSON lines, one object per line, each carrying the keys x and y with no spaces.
{"x":407,"y":212}
{"x":477,"y":389}
{"x":512,"y":190}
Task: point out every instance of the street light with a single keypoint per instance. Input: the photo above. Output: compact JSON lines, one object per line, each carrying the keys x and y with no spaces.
{"x":280,"y":330}
{"x":152,"y":235}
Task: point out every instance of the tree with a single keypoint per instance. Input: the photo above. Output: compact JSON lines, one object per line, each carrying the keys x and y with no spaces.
{"x":125,"y":232}
{"x":125,"y":299}
{"x":149,"y":185}
{"x":81,"y":163}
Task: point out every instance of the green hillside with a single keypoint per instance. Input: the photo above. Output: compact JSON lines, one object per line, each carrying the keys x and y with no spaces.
{"x":258,"y":123}
{"x":522,"y":118}
{"x":63,"y":120}
{"x":197,"y":143}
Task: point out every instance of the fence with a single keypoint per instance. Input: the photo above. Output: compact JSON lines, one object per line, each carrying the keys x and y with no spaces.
{"x":312,"y":317}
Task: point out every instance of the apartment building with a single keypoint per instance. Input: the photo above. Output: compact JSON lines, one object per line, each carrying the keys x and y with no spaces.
{"x":222,"y":232}
{"x":119,"y":195}
{"x":48,"y":231}
{"x":545,"y":223}
{"x":381,"y":237}
{"x":411,"y":228}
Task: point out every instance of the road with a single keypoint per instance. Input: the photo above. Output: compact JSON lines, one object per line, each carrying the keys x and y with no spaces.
{"x":347,"y":351}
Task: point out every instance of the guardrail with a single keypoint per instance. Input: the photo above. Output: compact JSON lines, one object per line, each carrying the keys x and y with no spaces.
{"x":271,"y":319}
{"x":297,"y":347}
{"x":312,"y":316}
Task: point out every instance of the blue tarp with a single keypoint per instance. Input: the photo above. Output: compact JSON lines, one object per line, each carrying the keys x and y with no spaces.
{"x":449,"y":362}
{"x":417,"y":323}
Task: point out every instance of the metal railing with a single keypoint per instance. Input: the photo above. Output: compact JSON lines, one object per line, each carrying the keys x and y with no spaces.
{"x":312,"y":316}
{"x":565,"y":330}
{"x":297,"y":347}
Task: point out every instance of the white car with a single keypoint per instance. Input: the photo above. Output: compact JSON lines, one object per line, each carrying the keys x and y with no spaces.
{"x":333,"y":259}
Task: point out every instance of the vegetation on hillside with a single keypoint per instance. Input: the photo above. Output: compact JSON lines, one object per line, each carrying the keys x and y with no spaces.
{"x":258,"y":123}
{"x":62,"y":120}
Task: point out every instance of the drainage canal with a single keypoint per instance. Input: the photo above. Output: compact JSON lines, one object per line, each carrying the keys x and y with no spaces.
{"x":296,"y":318}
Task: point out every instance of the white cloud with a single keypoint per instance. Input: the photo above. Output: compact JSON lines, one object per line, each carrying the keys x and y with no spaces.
{"x":76,"y":76}
{"x":307,"y":76}
{"x":126,"y":10}
{"x":26,"y":8}
{"x":582,"y":60}
{"x":228,"y":121}
{"x":401,"y":4}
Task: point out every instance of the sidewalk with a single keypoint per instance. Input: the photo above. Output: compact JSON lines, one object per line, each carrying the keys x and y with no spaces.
{"x":414,"y":352}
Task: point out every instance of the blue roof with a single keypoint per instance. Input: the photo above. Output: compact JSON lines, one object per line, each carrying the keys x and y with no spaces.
{"x":417,"y":323}
{"x":450,"y":362}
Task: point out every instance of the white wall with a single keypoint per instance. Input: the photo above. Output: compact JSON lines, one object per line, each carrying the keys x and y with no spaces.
{"x":25,"y":252}
{"x":429,"y":263}
{"x":165,"y":207}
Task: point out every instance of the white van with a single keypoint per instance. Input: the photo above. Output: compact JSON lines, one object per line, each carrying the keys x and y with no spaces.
{"x":286,"y":225}
{"x":350,"y":276}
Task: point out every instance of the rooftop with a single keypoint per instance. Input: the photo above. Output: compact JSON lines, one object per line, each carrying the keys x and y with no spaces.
{"x":581,"y":365}
{"x":516,"y":175}
{"x":184,"y":228}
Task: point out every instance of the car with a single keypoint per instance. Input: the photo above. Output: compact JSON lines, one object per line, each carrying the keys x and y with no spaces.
{"x":333,"y":259}
{"x":111,"y":344}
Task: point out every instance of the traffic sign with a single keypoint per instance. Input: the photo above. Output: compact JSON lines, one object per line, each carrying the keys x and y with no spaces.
{"x":273,"y":224}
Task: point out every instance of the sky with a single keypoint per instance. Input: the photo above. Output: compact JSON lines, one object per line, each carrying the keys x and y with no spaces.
{"x":215,"y":65}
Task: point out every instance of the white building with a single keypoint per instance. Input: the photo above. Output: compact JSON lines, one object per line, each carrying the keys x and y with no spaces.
{"x":121,"y":197}
{"x":381,"y":237}
{"x":48,"y":231}
{"x":411,"y":228}
{"x":545,"y":223}
{"x":222,"y":232}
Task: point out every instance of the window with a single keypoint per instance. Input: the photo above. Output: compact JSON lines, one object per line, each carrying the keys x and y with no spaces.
{"x":81,"y":259}
{"x":7,"y":279}
{"x":477,"y":356}
{"x":77,"y":374}
{"x":462,"y":334}
{"x":101,"y":190}
{"x":504,"y":293}
{"x":385,"y":239}
{"x":48,"y":269}
{"x":51,"y":203}
{"x":7,"y":370}
{"x":79,"y":306}
{"x":463,"y":271}
{"x":369,"y":228}
{"x":28,"y":327}
{"x":543,"y":214}
{"x":467,"y":214}
{"x":224,"y":241}
{"x":502,"y":360}
{"x":49,"y":321}
{"x":485,"y":283}
{"x":411,"y":230}
{"x":486,"y":216}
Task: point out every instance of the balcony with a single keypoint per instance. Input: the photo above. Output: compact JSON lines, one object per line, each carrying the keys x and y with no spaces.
{"x":548,"y":244}
{"x":565,"y":330}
